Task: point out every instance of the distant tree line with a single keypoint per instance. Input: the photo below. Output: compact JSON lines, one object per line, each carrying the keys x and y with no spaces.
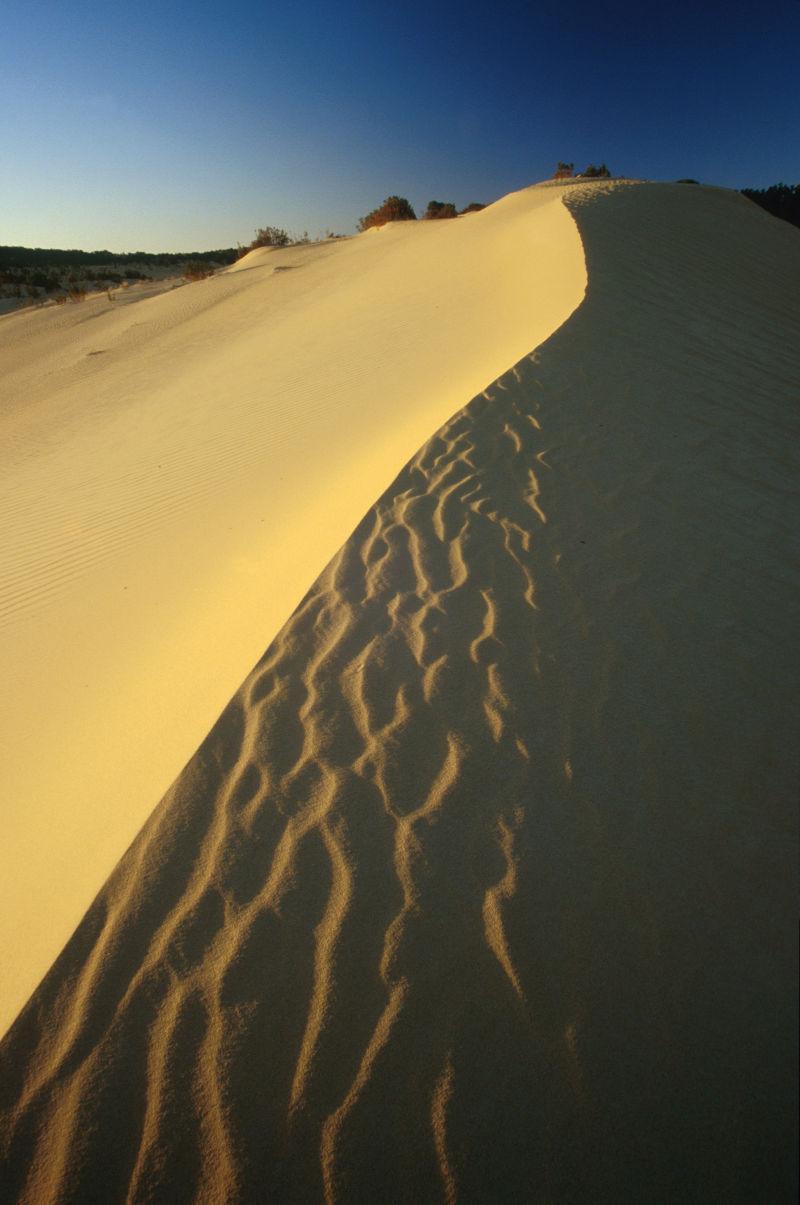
{"x":40,"y":257}
{"x":32,"y":274}
{"x":781,"y":200}
{"x":51,"y":280}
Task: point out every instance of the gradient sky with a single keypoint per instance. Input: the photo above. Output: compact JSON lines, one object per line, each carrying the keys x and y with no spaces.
{"x":183,"y":126}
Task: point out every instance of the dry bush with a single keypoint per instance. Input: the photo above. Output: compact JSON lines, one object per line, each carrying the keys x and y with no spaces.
{"x":270,"y":236}
{"x":473,"y":207}
{"x":77,"y":293}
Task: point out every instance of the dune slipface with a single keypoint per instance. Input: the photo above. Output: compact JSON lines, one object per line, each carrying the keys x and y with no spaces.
{"x":480,"y":888}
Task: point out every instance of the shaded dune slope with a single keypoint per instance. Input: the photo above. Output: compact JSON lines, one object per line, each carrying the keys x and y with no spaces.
{"x":480,"y":888}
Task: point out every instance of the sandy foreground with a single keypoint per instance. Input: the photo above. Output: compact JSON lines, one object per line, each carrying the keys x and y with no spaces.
{"x":481,"y":888}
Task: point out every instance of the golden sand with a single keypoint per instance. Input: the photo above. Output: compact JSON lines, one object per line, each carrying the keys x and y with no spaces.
{"x":175,"y":474}
{"x":481,"y":887}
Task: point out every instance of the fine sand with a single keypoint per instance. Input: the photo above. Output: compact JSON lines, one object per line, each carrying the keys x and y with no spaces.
{"x":481,"y":887}
{"x":174,"y":475}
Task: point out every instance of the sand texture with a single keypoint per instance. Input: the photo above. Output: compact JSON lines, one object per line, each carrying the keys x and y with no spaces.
{"x":481,"y":888}
{"x":174,"y":474}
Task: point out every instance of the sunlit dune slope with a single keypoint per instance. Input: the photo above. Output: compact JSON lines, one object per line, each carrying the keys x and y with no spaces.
{"x":481,"y":888}
{"x":177,"y":472}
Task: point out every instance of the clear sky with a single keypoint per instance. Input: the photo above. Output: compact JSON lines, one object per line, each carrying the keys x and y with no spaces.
{"x":182,"y":126}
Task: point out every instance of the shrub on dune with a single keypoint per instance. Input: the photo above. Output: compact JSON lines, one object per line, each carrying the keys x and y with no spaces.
{"x":597,"y":173}
{"x":393,"y":209}
{"x":440,"y":209}
{"x":270,"y":236}
{"x":473,"y":207}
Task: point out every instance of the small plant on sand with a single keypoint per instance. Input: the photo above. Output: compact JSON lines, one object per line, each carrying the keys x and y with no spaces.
{"x":393,"y":209}
{"x":270,"y":236}
{"x":440,"y":209}
{"x":77,"y":293}
{"x":564,"y":171}
{"x":597,"y":173}
{"x":473,"y":207}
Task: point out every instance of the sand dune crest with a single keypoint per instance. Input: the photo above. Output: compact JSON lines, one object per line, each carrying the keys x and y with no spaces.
{"x":480,"y":889}
{"x":194,"y":479}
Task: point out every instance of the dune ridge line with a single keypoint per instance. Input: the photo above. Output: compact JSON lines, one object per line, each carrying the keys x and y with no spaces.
{"x":481,"y":887}
{"x":193,"y":481}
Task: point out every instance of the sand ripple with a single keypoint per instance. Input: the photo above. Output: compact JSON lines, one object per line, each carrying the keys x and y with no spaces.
{"x":468,"y":894}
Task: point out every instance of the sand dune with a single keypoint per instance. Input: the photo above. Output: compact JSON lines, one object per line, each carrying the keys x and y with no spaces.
{"x":481,"y":887}
{"x":175,"y":474}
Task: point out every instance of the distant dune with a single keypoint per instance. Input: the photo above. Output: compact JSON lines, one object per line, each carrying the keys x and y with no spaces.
{"x":481,"y":887}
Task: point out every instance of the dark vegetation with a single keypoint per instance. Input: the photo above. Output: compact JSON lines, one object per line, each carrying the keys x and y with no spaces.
{"x":398,"y":209}
{"x":198,"y":269}
{"x":566,"y":171}
{"x":781,"y":200}
{"x":393,"y":209}
{"x":32,"y":274}
{"x":440,"y":209}
{"x":270,"y":236}
{"x":45,"y":258}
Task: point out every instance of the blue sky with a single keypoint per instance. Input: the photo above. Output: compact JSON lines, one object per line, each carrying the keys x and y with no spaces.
{"x":183,"y":126}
